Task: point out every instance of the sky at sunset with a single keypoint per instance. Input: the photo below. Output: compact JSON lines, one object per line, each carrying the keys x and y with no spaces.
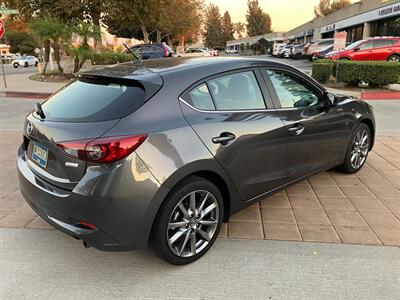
{"x":285,"y":14}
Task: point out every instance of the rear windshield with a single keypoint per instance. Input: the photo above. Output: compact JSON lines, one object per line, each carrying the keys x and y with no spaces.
{"x":91,"y":101}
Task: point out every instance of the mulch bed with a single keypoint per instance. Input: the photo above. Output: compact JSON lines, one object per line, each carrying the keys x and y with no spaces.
{"x":54,"y":77}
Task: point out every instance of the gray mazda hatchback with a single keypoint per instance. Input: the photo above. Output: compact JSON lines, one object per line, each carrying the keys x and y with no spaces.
{"x":160,"y":153}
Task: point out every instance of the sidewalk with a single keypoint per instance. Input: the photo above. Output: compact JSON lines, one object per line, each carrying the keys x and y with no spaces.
{"x":22,"y":83}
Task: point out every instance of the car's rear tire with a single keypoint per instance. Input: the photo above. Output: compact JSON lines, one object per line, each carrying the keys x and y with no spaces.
{"x":188,"y":221}
{"x":344,"y":58}
{"x":15,"y":65}
{"x":394,"y":57}
{"x":357,"y":150}
{"x":26,"y":65}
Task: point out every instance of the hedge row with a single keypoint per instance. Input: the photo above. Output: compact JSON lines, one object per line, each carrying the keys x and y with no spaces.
{"x":110,"y":58}
{"x":373,"y":73}
{"x":322,"y":70}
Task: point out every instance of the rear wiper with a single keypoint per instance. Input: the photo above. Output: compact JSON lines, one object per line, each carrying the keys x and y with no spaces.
{"x":137,"y":58}
{"x":39,"y":110}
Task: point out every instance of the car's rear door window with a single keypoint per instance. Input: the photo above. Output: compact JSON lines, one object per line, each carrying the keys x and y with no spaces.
{"x":92,"y":101}
{"x":382,"y":43}
{"x":200,"y":98}
{"x":237,"y":91}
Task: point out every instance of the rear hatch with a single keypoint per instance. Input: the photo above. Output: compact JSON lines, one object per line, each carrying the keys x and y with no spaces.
{"x":81,"y":112}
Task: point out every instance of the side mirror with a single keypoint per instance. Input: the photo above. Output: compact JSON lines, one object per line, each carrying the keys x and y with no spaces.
{"x":333,"y":99}
{"x":356,"y":49}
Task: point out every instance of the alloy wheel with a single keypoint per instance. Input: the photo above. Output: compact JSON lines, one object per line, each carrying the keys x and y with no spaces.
{"x":193,"y":223}
{"x":395,"y":58}
{"x":359,"y":149}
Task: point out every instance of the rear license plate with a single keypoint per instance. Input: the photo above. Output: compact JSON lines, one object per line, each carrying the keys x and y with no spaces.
{"x":40,"y":154}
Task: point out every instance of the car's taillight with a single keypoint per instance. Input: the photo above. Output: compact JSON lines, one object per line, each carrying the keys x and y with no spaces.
{"x":102,"y":150}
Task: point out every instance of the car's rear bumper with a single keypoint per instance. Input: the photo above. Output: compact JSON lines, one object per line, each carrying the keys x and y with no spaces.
{"x":121,"y":202}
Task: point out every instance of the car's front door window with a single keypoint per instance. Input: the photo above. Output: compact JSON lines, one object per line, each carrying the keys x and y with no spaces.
{"x":367,"y":45}
{"x":291,"y":91}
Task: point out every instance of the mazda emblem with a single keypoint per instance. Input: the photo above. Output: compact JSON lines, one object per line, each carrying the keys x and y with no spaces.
{"x":29,"y":128}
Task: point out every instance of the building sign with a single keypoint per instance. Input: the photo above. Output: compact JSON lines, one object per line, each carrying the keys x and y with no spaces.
{"x":340,"y":40}
{"x":310,"y":32}
{"x":372,"y":15}
{"x":389,"y":10}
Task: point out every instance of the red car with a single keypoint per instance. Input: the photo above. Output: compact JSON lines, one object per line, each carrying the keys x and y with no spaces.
{"x":382,"y":48}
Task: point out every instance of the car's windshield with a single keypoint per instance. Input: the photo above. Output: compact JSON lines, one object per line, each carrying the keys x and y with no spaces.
{"x":354,"y":45}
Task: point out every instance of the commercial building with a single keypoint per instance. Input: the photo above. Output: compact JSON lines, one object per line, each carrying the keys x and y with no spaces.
{"x":361,"y":19}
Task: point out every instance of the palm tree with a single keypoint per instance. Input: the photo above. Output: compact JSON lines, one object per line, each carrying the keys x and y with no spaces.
{"x":84,"y":30}
{"x":51,"y":33}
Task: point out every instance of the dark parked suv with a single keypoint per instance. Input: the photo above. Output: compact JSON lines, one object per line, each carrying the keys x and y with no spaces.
{"x":151,"y":51}
{"x":163,"y":152}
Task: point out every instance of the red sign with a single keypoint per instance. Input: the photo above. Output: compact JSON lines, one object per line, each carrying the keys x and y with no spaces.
{"x":2,"y":29}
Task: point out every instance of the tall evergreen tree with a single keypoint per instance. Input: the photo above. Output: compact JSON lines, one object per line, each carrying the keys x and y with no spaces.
{"x":227,"y":27}
{"x":213,"y":33}
{"x":258,"y":22}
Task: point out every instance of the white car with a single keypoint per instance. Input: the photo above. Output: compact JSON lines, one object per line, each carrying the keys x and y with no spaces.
{"x":277,"y":48}
{"x":25,"y":61}
{"x":231,"y":51}
{"x":195,"y":52}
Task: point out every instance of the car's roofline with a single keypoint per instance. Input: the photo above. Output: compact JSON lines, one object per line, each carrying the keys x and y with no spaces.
{"x":149,"y":70}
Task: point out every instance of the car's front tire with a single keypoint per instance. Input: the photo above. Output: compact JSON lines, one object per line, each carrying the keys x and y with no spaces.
{"x":15,"y":65}
{"x":357,"y":150}
{"x":26,"y":65}
{"x":188,"y":222}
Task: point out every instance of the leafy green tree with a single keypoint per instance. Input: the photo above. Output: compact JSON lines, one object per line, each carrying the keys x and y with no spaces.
{"x":258,"y":22}
{"x":51,"y":33}
{"x":152,"y":20}
{"x":227,"y":27}
{"x":92,"y":12}
{"x":326,"y":7}
{"x":131,"y":18}
{"x":171,"y":24}
{"x":62,"y":10}
{"x":213,"y":33}
{"x":21,"y":42}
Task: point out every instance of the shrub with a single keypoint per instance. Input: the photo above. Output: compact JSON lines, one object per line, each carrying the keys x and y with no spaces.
{"x":373,"y":73}
{"x":110,"y":58}
{"x":322,"y":70}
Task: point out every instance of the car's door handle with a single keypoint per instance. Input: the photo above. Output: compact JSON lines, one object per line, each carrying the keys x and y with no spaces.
{"x":224,"y":139}
{"x":297,"y":129}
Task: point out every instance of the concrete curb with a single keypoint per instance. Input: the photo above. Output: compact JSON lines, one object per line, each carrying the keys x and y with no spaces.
{"x":29,"y":95}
